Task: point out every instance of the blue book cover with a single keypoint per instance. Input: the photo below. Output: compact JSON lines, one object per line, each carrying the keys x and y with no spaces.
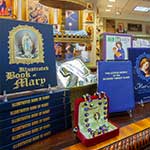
{"x":115,"y":78}
{"x":140,"y":58}
{"x":54,"y":127}
{"x":35,"y":99}
{"x":27,"y":58}
{"x":33,"y":122}
{"x":17,"y":119}
{"x":114,"y":46}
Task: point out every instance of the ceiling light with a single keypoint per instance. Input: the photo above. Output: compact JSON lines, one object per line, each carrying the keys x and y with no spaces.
{"x":141,"y":9}
{"x":112,"y":0}
{"x":118,"y":13}
{"x":109,"y":6}
{"x":108,"y":10}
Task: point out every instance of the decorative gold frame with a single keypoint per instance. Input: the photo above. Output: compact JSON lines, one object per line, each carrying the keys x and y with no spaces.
{"x":12,"y":58}
{"x":14,"y":10}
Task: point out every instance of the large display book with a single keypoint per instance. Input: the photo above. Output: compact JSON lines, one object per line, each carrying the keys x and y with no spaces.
{"x":114,"y":46}
{"x":27,"y":58}
{"x":116,"y":79}
{"x":140,"y":58}
{"x":91,"y":121}
{"x":24,"y":118}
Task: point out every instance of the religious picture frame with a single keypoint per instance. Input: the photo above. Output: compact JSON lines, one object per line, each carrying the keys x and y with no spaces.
{"x":73,"y":20}
{"x":8,"y":9}
{"x":90,"y":30}
{"x":89,"y":17}
{"x":36,"y":12}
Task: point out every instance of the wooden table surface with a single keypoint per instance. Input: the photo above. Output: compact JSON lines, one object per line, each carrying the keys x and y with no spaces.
{"x":124,"y":132}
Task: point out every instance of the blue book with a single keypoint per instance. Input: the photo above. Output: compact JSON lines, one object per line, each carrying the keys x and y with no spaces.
{"x":34,"y":99}
{"x":115,"y":78}
{"x":51,"y":128}
{"x":140,"y":58}
{"x":27,"y":58}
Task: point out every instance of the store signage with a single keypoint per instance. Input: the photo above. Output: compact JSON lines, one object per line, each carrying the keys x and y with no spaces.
{"x":140,"y":58}
{"x":27,"y":59}
{"x":115,"y":78}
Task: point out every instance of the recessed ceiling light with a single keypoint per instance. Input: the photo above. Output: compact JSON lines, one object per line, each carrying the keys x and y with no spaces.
{"x":109,"y":6}
{"x":108,"y":10}
{"x":118,"y":13}
{"x":112,"y":0}
{"x":141,"y":9}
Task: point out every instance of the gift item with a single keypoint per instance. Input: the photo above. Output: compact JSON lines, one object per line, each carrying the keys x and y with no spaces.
{"x":91,"y":119}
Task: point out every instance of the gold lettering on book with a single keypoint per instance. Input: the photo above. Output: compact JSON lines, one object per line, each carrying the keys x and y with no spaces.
{"x":27,"y":125}
{"x":16,"y":120}
{"x":25,"y":82}
{"x":35,"y":138}
{"x":29,"y":101}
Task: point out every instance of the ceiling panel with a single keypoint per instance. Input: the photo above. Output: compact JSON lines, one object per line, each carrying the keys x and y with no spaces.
{"x":126,"y":8}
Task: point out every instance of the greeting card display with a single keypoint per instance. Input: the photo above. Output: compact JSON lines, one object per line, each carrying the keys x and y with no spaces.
{"x":91,"y":119}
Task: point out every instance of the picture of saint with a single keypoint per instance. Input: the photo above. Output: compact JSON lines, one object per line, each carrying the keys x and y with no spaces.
{"x":26,"y":44}
{"x":2,"y":7}
{"x":5,"y":7}
{"x":119,"y":53}
{"x":58,"y":50}
{"x":38,"y":13}
{"x":90,"y":17}
{"x":71,"y":20}
{"x":145,"y":66}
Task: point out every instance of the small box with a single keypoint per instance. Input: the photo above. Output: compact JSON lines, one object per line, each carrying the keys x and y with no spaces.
{"x":92,"y":124}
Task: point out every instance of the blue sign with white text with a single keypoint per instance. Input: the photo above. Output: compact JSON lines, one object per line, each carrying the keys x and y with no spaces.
{"x":140,"y":58}
{"x":115,"y":78}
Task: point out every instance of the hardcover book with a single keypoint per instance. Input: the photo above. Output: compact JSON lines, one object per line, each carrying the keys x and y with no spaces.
{"x":27,"y":59}
{"x":114,"y":46}
{"x":116,"y":79}
{"x":140,"y":58}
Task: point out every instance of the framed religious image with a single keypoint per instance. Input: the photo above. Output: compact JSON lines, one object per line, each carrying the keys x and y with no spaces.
{"x":89,"y":6}
{"x":134,"y":27}
{"x":73,"y":20}
{"x":120,"y":28}
{"x":36,"y":12}
{"x":89,"y":29}
{"x":8,"y":9}
{"x":89,"y":17}
{"x":147,"y":29}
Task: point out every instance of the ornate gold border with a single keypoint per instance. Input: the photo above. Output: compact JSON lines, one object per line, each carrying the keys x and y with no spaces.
{"x":14,"y":12}
{"x":12,"y":59}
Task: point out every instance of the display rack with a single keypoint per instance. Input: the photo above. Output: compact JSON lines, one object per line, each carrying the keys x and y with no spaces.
{"x":67,"y":5}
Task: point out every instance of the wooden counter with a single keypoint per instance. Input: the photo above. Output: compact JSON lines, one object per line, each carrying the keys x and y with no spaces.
{"x":133,"y":136}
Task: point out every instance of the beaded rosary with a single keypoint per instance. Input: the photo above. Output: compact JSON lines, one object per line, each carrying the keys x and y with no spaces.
{"x":97,"y":117}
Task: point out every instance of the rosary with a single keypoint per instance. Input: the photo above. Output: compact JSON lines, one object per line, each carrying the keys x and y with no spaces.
{"x":95,"y":114}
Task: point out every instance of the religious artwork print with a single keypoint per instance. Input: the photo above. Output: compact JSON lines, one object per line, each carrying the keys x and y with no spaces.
{"x":114,"y":46}
{"x":7,"y":8}
{"x":72,"y":20}
{"x":28,"y":47}
{"x":89,"y":17}
{"x":37,"y":12}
